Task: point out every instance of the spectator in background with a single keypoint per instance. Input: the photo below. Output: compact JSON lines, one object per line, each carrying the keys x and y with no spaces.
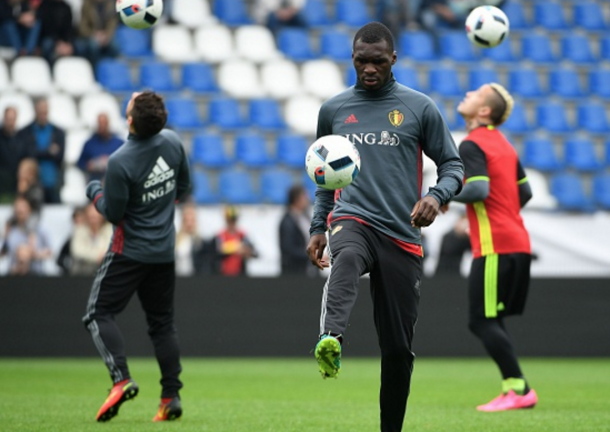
{"x":453,"y":246}
{"x":98,"y":148}
{"x":189,"y":244}
{"x":276,"y":14}
{"x":294,"y":233}
{"x":96,"y":30}
{"x":19,"y":26}
{"x":232,"y":247}
{"x":46,"y":143}
{"x":89,"y":243}
{"x":28,"y":185}
{"x":9,"y":156}
{"x":64,"y":259}
{"x":56,"y":30}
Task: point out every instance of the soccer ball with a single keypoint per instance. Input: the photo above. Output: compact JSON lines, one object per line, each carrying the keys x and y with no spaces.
{"x":332,"y":162}
{"x":487,"y":26}
{"x":139,"y":14}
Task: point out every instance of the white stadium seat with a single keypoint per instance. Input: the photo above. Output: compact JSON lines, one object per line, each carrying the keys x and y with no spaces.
{"x":23,"y":104}
{"x":281,"y":79}
{"x":322,"y":78}
{"x":94,"y":104}
{"x":173,"y":43}
{"x":239,"y":79}
{"x":32,"y":75}
{"x":542,"y":198}
{"x":302,"y":114}
{"x":62,"y":111}
{"x":75,"y":140}
{"x":74,"y":75}
{"x":214,"y":44}
{"x":75,"y":185}
{"x":192,"y":14}
{"x":255,"y":43}
{"x":5,"y":80}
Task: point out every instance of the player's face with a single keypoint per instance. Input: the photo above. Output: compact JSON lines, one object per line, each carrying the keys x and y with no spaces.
{"x":373,"y":63}
{"x":475,"y":100}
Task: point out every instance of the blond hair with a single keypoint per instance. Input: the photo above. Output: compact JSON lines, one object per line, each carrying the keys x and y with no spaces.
{"x":502,"y":111}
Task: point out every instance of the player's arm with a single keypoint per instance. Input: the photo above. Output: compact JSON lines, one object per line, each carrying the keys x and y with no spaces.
{"x":111,"y":200}
{"x":525,"y":191}
{"x":476,"y":186}
{"x":184,"y":176}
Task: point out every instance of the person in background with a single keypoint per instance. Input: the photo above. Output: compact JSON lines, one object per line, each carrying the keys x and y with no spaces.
{"x":64,"y":259}
{"x":276,"y":14}
{"x":56,"y":29}
{"x":453,"y":246}
{"x":9,"y":155}
{"x":89,"y":243}
{"x":28,"y":184}
{"x":232,"y":247}
{"x":96,"y":151}
{"x":96,"y":30}
{"x":19,"y":26}
{"x":46,"y":143}
{"x":294,"y":233}
{"x":188,"y":242}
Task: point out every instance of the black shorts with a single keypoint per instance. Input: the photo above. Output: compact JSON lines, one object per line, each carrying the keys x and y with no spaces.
{"x":498,"y":285}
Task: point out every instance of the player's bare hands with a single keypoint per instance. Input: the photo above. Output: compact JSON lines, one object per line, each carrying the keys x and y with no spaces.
{"x":315,"y":250}
{"x":424,"y":212}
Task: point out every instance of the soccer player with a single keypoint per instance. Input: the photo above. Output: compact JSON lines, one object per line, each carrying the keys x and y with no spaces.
{"x":495,"y":190}
{"x":143,"y":180}
{"x":374,"y":223}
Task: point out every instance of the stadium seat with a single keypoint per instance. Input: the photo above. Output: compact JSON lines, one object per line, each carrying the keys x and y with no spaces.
{"x":295,"y":44}
{"x":183,"y":113}
{"x":133,"y":43}
{"x":208,"y":149}
{"x":576,"y":48}
{"x":32,"y":75}
{"x":173,"y":43}
{"x":518,"y":121}
{"x":445,"y":81}
{"x":539,"y":153}
{"x":291,"y":150}
{"x":481,"y":75}
{"x":251,"y":150}
{"x":589,"y":15}
{"x":553,"y":117}
{"x":23,"y":104}
{"x":74,"y":75}
{"x":275,"y":185}
{"x":569,"y":190}
{"x":5,"y":80}
{"x":450,"y":118}
{"x":236,"y":187}
{"x":417,"y":46}
{"x":74,"y":187}
{"x":353,"y":13}
{"x":549,"y":15}
{"x":114,"y":75}
{"x":203,"y":193}
{"x":62,"y":111}
{"x":157,"y":76}
{"x":225,"y":113}
{"x":592,"y":117}
{"x":515,"y":12}
{"x":214,"y":44}
{"x":301,"y":113}
{"x":537,"y":48}
{"x":232,"y":12}
{"x":599,"y":83}
{"x":75,"y":141}
{"x":565,"y":82}
{"x":580,"y":154}
{"x":525,"y":82}
{"x":601,"y":190}
{"x":406,"y":76}
{"x":92,"y":105}
{"x":309,"y":185}
{"x":199,"y":78}
{"x":456,"y":46}
{"x":503,"y":53}
{"x":240,"y":79}
{"x":322,"y":78}
{"x":266,"y":114}
{"x":192,"y":14}
{"x":542,"y":199}
{"x":280,"y":79}
{"x":255,"y":43}
{"x":604,"y":47}
{"x":316,"y":14}
{"x":336,"y":45}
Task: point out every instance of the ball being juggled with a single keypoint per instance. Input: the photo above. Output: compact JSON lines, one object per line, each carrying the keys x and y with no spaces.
{"x":332,"y":162}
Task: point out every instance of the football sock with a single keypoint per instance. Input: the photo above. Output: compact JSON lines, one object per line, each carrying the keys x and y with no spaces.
{"x":518,"y":385}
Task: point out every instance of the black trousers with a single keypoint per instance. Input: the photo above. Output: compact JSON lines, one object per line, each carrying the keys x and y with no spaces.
{"x":395,"y":275}
{"x":116,"y":281}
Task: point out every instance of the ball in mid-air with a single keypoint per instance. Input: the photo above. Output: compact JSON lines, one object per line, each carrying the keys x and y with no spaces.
{"x":487,"y":26}
{"x":139,"y":14}
{"x":332,"y":162}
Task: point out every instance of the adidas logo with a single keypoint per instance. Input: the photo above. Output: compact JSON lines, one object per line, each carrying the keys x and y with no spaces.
{"x":159,"y":173}
{"x":351,"y":119}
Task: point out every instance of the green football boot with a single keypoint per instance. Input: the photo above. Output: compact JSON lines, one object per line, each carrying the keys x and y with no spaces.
{"x":328,"y":355}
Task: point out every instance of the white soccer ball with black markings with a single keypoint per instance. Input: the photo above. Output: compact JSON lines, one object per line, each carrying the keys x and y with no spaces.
{"x":139,"y":14}
{"x":332,"y":162}
{"x":487,"y":26}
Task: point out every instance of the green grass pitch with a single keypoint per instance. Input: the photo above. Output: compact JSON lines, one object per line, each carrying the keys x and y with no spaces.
{"x":288,"y":395}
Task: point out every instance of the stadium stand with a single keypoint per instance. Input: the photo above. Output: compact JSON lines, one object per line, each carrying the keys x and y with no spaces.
{"x":209,"y":151}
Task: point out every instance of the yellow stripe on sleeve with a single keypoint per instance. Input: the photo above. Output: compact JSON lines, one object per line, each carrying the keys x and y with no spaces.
{"x":477,"y":178}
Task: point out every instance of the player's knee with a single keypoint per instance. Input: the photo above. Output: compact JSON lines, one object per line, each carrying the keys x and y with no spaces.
{"x":161,"y":328}
{"x":478,"y":326}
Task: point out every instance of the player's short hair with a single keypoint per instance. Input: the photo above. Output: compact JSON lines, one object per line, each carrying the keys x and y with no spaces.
{"x":501,"y":104}
{"x":374,"y":32}
{"x":149,"y":114}
{"x":231,"y":213}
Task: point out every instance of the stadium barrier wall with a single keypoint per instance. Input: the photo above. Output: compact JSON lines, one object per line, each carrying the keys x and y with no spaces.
{"x":279,"y":317}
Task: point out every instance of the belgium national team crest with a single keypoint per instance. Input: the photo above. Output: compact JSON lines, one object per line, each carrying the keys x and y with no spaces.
{"x":396,"y":118}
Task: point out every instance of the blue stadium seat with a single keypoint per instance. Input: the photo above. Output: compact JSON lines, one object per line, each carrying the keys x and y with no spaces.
{"x":208,"y":149}
{"x":353,"y":13}
{"x":580,"y":154}
{"x":449,"y":119}
{"x":133,"y":43}
{"x":417,"y":45}
{"x":604,"y":47}
{"x":601,"y":190}
{"x":251,"y":150}
{"x":569,"y":190}
{"x":589,"y":15}
{"x":445,"y":81}
{"x":456,"y":46}
{"x":316,"y":14}
{"x":553,"y":117}
{"x":226,"y":113}
{"x":537,"y":48}
{"x":351,"y":76}
{"x":203,"y":193}
{"x":607,"y":153}
{"x":550,"y":15}
{"x":309,"y":185}
{"x":525,"y":82}
{"x":503,"y":53}
{"x":296,"y":44}
{"x":481,"y":75}
{"x":275,"y":184}
{"x":291,"y":150}
{"x":199,"y":78}
{"x":539,"y":153}
{"x":236,"y":187}
{"x":336,"y":44}
{"x":182,"y":113}
{"x":576,"y":48}
{"x":157,"y":76}
{"x":231,"y":12}
{"x":517,"y":122}
{"x":266,"y":114}
{"x":565,"y":82}
{"x":592,"y":117}
{"x":114,"y":75}
{"x":599,"y":83}
{"x":407,"y":76}
{"x":516,"y":15}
